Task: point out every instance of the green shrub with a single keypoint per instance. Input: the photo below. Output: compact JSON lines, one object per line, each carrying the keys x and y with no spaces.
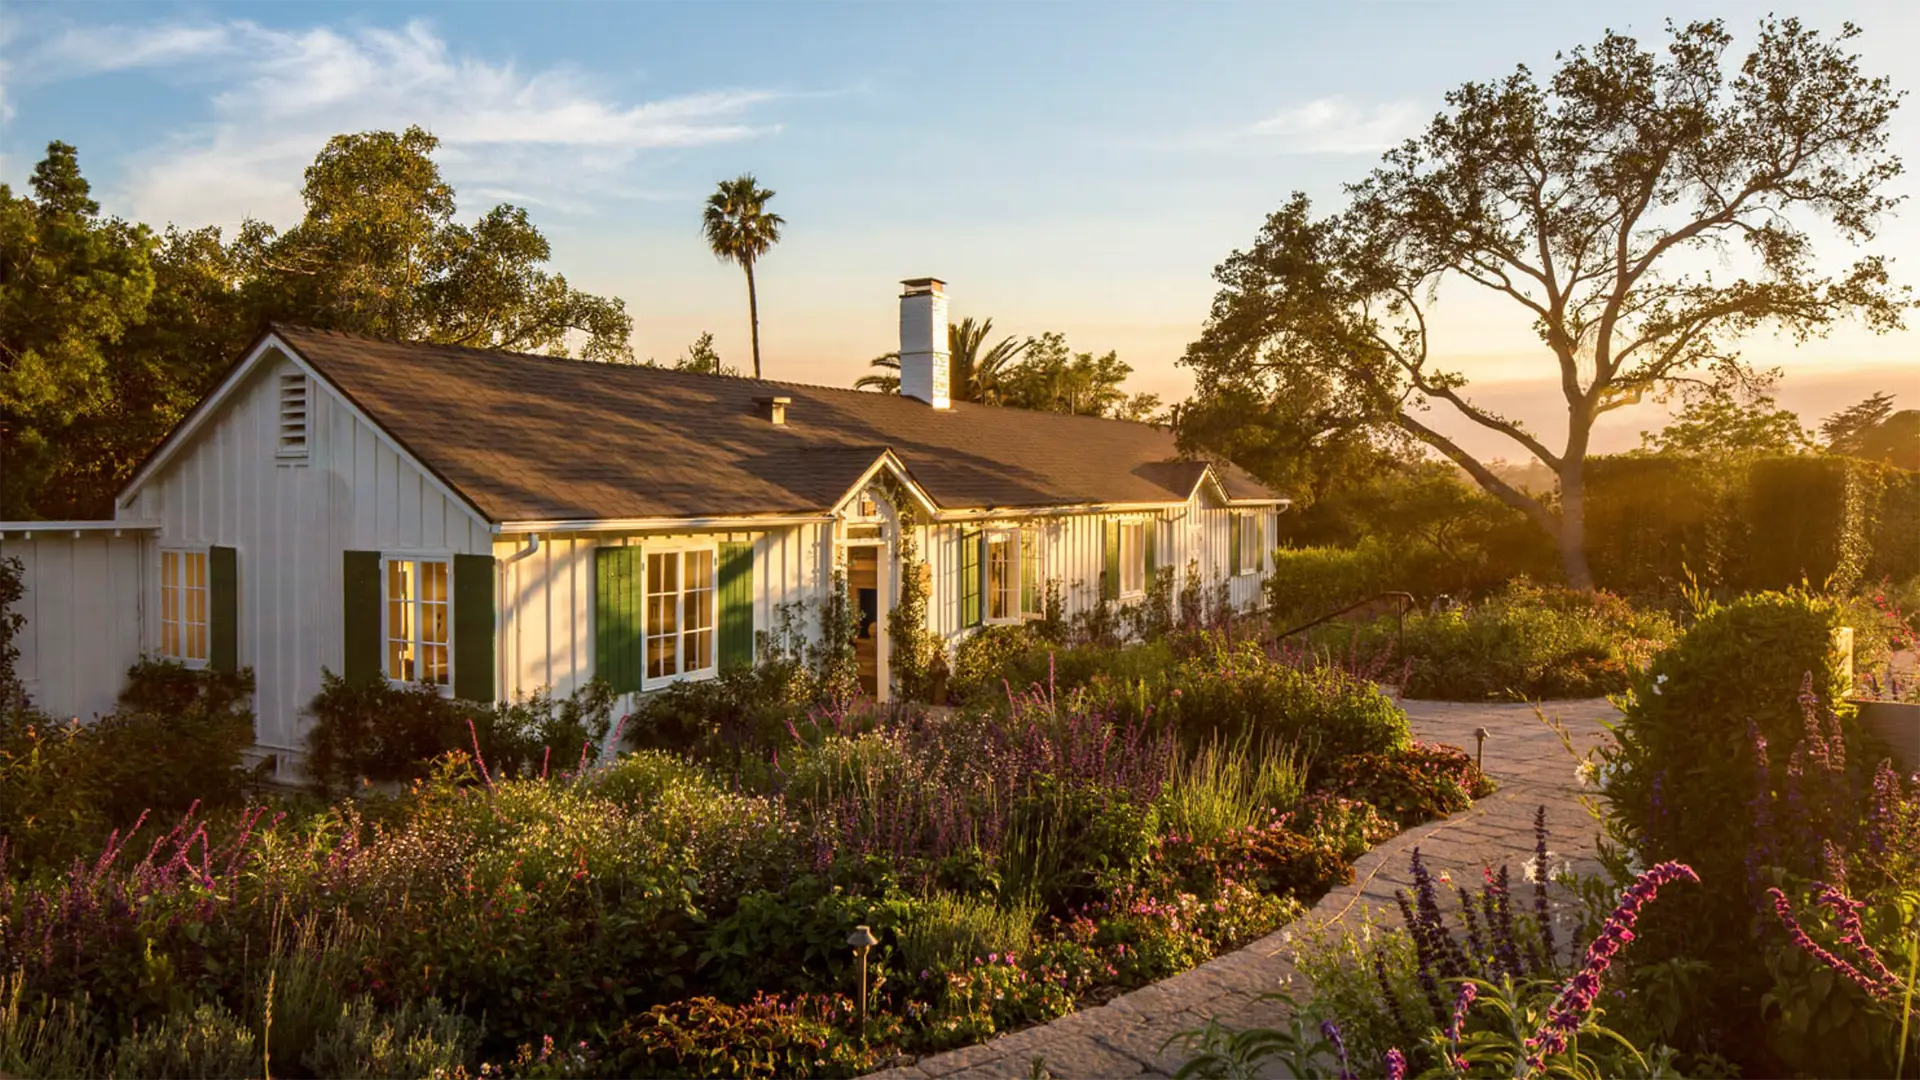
{"x":417,"y":1039}
{"x":766,"y":1037}
{"x":1654,"y":519}
{"x":1896,"y":529}
{"x":1313,"y":581}
{"x":1224,"y":787}
{"x":1527,"y":641}
{"x":384,"y":732}
{"x":1410,"y":786}
{"x":1066,"y":836}
{"x":983,"y":661}
{"x":947,"y":930}
{"x":795,"y":939}
{"x":1813,"y":520}
{"x":1682,"y":777}
{"x":13,"y":693}
{"x":205,"y":1043}
{"x":1238,"y":692}
{"x":44,"y":1038}
{"x":739,"y":714}
{"x":174,"y":740}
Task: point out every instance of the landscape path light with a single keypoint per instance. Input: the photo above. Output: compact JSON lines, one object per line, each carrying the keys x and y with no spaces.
{"x":1480,"y":748}
{"x":862,"y":939}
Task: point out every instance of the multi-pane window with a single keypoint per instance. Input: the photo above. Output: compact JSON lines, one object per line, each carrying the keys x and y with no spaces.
{"x":1253,"y":543}
{"x":1003,"y":576}
{"x":1133,"y":557}
{"x":183,"y":605}
{"x":679,"y":613}
{"x":419,"y":622}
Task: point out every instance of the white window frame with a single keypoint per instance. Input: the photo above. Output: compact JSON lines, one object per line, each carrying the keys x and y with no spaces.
{"x":680,"y":551}
{"x":1011,"y":538}
{"x":387,"y":559}
{"x":1133,"y":568}
{"x":1253,"y":549}
{"x":183,"y":595}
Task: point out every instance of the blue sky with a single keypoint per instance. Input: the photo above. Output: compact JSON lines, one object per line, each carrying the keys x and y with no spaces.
{"x":1071,"y":167}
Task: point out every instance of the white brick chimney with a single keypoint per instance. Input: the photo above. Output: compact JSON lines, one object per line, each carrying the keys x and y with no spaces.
{"x":924,"y":362}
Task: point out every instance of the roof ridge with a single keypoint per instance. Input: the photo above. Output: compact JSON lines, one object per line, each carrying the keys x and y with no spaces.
{"x":278,"y":326}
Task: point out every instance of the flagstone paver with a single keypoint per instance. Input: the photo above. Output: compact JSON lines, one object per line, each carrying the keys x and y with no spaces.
{"x":1127,"y":1036}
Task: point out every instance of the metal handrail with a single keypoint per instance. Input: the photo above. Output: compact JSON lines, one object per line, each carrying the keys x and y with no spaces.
{"x":1406,"y":604}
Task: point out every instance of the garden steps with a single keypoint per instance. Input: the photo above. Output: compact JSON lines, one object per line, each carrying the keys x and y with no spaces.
{"x":1127,"y":1036}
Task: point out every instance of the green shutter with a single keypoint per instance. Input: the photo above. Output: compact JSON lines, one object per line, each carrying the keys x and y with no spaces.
{"x":1030,"y":571}
{"x":972,"y":566}
{"x":360,"y":617}
{"x":223,"y":609}
{"x":473,"y":610}
{"x":736,"y":605}
{"x":616,"y":629}
{"x":1110,"y":576}
{"x":1233,"y":543}
{"x":1151,"y":531}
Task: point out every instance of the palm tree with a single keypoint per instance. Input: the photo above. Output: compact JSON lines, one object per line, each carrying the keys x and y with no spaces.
{"x":976,"y":375}
{"x":739,"y":229}
{"x":886,"y":376}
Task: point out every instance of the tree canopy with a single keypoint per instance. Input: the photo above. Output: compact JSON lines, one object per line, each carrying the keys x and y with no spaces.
{"x":1040,"y":373}
{"x":1641,"y":211}
{"x":109,"y":334}
{"x":1872,"y":429}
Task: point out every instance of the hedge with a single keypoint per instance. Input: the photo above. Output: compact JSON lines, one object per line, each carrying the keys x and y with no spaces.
{"x":1770,"y":524}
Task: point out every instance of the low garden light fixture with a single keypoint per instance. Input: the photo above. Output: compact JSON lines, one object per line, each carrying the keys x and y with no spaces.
{"x":862,"y":939}
{"x":1480,"y":748}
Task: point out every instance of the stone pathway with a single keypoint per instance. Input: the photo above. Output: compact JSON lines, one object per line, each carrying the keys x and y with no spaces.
{"x":1127,"y":1036}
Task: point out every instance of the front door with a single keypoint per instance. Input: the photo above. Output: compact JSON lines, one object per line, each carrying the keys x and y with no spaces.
{"x":863,"y":577}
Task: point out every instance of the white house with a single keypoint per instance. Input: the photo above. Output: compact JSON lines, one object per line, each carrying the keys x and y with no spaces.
{"x":497,"y":523}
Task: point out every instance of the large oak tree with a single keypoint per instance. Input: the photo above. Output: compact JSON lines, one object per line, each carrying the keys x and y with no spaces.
{"x":1641,"y":211}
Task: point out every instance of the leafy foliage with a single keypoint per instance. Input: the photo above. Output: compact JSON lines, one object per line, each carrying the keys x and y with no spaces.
{"x":385,"y":733}
{"x":111,"y":334}
{"x":1585,"y":200}
{"x":740,"y":229}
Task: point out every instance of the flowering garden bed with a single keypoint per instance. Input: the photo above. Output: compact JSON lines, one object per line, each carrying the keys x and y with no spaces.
{"x":1760,"y":913}
{"x":685,"y":909}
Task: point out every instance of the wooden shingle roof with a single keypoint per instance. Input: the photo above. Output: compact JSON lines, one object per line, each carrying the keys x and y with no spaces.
{"x":532,"y":438}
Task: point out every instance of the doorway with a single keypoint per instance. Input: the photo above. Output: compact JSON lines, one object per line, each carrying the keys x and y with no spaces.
{"x":863,"y":580}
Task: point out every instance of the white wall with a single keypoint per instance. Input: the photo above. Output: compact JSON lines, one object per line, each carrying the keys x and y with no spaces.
{"x":1074,"y":553}
{"x":83,"y":602}
{"x":290,"y":523}
{"x":546,"y":598}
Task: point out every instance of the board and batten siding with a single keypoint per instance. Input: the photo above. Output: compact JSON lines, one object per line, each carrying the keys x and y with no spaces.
{"x":1074,"y":553}
{"x":547,"y":595}
{"x":83,"y":600}
{"x":290,"y":524}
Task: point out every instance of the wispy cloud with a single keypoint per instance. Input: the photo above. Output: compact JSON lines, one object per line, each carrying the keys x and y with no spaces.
{"x":1327,"y":125}
{"x":1334,"y":125}
{"x":555,"y":137}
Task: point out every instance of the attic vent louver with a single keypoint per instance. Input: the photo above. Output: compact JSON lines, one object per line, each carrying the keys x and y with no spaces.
{"x":293,"y":416}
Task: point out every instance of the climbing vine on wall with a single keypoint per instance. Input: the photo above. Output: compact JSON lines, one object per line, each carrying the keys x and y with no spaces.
{"x":914,"y":644}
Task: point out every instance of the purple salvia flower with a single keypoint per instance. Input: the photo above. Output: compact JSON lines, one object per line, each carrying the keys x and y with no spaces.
{"x":1798,"y":936}
{"x":1540,"y":912}
{"x":1396,"y":1065}
{"x":1569,"y":1010}
{"x":1462,"y":1002}
{"x":1330,"y":1031}
{"x":1387,"y":995}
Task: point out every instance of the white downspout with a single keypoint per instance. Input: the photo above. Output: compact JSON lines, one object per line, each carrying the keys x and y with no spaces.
{"x":502,"y":613}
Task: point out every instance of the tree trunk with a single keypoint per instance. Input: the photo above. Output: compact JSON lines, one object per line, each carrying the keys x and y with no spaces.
{"x":1573,"y":523}
{"x":753,"y":316}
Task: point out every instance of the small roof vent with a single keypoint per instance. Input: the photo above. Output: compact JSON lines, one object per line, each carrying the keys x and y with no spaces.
{"x":772,"y":409}
{"x":293,"y":416}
